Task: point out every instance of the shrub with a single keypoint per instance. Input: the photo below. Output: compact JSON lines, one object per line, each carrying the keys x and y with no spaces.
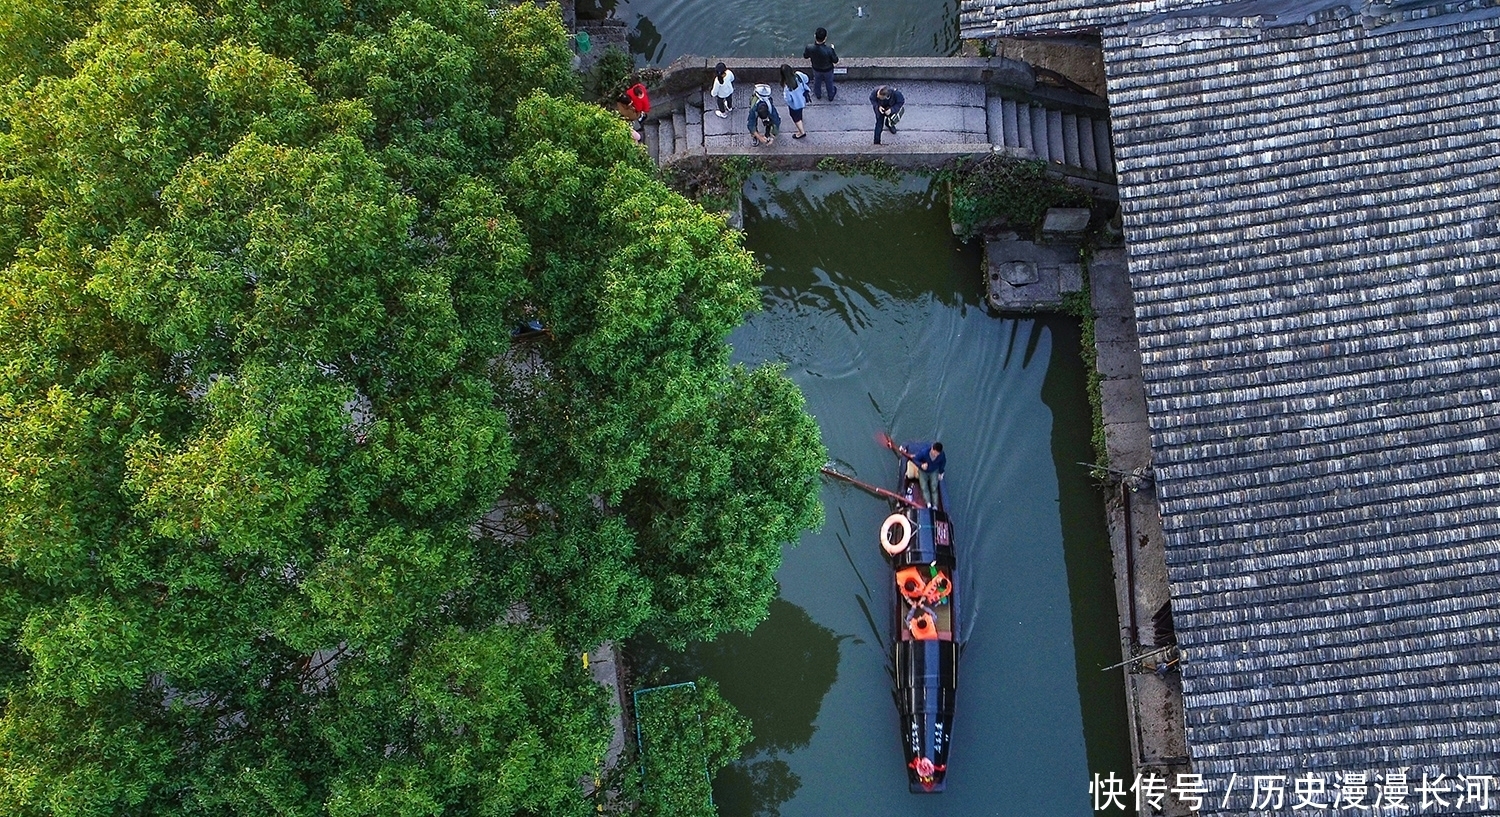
{"x":1017,"y":192}
{"x":687,"y":733}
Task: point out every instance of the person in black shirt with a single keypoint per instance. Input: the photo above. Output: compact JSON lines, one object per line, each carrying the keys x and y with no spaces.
{"x":887,"y":102}
{"x":823,"y":59}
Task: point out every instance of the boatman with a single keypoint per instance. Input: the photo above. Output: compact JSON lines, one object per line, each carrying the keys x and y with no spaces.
{"x":925,"y":463}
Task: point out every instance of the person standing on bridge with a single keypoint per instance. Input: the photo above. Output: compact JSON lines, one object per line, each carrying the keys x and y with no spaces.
{"x":794,"y":90}
{"x":823,"y":58}
{"x":888,"y":103}
{"x":723,"y":90}
{"x":763,"y":113}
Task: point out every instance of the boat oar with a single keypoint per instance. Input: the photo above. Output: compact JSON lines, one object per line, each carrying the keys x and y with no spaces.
{"x":885,"y":440}
{"x":880,"y":492}
{"x":1140,"y":657}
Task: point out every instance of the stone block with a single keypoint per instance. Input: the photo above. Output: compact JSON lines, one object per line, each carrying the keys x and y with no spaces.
{"x":1124,"y":401}
{"x":1115,"y":327}
{"x":1069,"y":278}
{"x":1118,"y":359}
{"x":680,"y":132}
{"x":1070,"y":140}
{"x":1066,"y":220}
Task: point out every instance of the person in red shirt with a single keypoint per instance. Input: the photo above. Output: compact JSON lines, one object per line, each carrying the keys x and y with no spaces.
{"x":638,"y":99}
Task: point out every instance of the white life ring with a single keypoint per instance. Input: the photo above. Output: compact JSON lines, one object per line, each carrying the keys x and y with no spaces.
{"x":893,"y":521}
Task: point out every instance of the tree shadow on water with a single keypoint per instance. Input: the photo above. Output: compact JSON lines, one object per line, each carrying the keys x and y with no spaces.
{"x":777,"y":677}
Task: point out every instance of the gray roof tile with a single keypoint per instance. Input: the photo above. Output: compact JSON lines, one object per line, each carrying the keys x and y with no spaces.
{"x":1312,"y":217}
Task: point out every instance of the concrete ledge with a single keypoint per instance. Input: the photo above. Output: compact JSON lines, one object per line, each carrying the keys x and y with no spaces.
{"x":692,"y":72}
{"x":797,"y":156}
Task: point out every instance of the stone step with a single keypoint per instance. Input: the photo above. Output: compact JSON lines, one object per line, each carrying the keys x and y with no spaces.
{"x":926,"y":119}
{"x":1086,"y":152}
{"x":651,"y":134}
{"x":694,"y":127}
{"x":1008,"y":123}
{"x":1023,"y":127}
{"x":1103,"y":151}
{"x":1070,"y":140}
{"x":1055,"y":136}
{"x":786,"y":148}
{"x":1039,"y":141}
{"x":994,"y":115}
{"x":826,"y":141}
{"x":667,"y":140}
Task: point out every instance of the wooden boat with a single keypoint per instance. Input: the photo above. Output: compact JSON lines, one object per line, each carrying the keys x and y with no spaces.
{"x":918,"y":541}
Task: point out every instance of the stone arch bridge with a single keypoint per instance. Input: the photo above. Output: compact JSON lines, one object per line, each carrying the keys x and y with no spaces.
{"x":958,"y":106}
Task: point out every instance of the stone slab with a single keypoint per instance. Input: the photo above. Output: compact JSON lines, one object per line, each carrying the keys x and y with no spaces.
{"x":1114,"y":327}
{"x":1066,"y":219}
{"x":1070,"y":278}
{"x":651,"y":135}
{"x":1128,"y":445}
{"x":1015,"y":273}
{"x":1124,"y":401}
{"x":1109,"y":285}
{"x":1118,"y":359}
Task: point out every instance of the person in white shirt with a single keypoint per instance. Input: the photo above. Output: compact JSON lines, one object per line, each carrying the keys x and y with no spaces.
{"x":723,"y":90}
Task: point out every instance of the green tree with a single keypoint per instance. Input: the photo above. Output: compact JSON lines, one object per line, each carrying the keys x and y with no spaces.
{"x":288,"y":522}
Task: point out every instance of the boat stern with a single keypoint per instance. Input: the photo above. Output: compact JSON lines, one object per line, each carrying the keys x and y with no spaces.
{"x":926,"y":679}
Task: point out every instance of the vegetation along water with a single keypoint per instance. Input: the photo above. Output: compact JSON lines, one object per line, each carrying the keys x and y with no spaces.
{"x":289,"y":522}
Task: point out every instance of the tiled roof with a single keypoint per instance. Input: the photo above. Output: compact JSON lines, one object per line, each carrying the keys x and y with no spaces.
{"x":1312,"y":216}
{"x":980,"y":18}
{"x":987,"y":18}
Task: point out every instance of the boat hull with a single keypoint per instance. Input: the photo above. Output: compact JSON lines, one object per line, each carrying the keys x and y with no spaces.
{"x":924,"y":659}
{"x":926,"y":685}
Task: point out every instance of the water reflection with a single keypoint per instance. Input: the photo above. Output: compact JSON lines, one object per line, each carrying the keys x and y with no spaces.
{"x":777,"y":676}
{"x":663,"y":30}
{"x":645,"y":40}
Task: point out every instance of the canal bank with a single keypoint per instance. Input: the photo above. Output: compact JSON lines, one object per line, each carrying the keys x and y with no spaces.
{"x":1153,"y":679}
{"x":1037,"y":277}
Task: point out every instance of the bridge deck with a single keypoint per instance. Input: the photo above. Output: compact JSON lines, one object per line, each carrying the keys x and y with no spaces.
{"x":954,"y":106}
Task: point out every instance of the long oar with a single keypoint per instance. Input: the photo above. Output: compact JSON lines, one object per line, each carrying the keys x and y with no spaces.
{"x":880,"y":492}
{"x":885,"y":440}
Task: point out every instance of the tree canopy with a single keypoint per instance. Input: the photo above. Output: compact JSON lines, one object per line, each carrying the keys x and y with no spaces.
{"x":289,"y":522}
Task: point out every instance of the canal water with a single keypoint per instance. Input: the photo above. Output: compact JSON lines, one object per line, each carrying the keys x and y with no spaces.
{"x":663,"y":30}
{"x":875,"y":310}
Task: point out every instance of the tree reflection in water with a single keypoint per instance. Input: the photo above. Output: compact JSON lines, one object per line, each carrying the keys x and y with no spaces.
{"x":777,"y":677}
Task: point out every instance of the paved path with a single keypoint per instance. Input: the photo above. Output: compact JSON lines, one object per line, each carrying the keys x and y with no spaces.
{"x":1158,"y":741}
{"x":603,"y":664}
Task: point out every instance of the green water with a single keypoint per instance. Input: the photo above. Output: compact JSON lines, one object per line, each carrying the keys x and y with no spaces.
{"x":663,"y":30}
{"x":874,"y":308}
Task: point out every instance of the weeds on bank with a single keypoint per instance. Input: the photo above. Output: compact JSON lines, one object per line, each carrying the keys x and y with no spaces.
{"x":714,"y":183}
{"x":873,"y":167}
{"x":998,"y":188}
{"x":1080,"y":305}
